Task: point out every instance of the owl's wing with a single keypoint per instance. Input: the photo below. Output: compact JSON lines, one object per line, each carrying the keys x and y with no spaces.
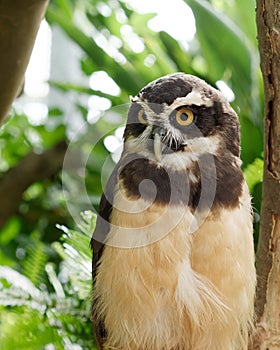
{"x":100,"y":233}
{"x":102,"y":227}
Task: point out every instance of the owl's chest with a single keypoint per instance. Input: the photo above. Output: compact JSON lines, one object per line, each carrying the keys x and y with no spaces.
{"x":153,"y":272}
{"x":175,"y":183}
{"x":137,"y":279}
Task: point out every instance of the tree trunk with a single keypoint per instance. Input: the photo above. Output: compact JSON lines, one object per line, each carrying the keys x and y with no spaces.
{"x":267,"y":335}
{"x":19,"y":23}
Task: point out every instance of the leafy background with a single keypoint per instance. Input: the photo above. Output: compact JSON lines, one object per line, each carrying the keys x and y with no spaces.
{"x":45,"y":276}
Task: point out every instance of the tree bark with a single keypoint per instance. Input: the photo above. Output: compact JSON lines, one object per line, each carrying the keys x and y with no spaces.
{"x":33,"y":167}
{"x":19,"y":23}
{"x":267,"y":306}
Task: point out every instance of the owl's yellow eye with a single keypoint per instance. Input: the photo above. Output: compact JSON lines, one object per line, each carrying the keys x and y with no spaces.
{"x":184,"y":116}
{"x":142,"y":117}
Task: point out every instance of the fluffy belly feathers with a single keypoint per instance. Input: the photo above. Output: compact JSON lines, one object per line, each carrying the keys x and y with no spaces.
{"x":180,"y":292}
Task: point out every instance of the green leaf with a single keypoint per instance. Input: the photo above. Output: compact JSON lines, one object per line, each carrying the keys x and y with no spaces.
{"x":240,"y":12}
{"x":85,"y":90}
{"x":226,"y":51}
{"x":253,"y":173}
{"x":55,"y":112}
{"x":251,"y":140}
{"x":9,"y":231}
{"x":222,"y":41}
{"x":56,"y":16}
{"x":27,"y":329}
{"x":124,"y":74}
{"x":66,"y":7}
{"x":175,"y":52}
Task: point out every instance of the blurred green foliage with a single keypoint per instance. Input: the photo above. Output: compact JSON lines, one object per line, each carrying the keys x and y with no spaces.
{"x":45,"y":282}
{"x":56,"y":317}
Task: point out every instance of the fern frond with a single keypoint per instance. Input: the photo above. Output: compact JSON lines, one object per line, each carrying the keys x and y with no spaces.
{"x":17,"y":280}
{"x":18,"y":290}
{"x":76,"y":254}
{"x":59,"y":319}
{"x":65,"y":315}
{"x":88,"y":224}
{"x":34,"y":263}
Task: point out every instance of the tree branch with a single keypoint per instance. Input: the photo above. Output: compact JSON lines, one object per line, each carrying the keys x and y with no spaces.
{"x":19,"y":23}
{"x":32,"y":168}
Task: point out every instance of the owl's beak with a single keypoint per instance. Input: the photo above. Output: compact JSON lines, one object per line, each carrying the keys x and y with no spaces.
{"x":157,"y":147}
{"x":158,"y":134}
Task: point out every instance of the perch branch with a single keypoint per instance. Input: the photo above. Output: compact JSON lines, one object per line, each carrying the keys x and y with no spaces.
{"x":19,"y":24}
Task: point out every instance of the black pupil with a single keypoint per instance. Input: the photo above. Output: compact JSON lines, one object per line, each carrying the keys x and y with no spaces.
{"x":184,"y":117}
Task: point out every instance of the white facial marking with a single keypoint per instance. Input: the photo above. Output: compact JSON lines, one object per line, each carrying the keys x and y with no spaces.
{"x":176,"y":160}
{"x":193,"y":98}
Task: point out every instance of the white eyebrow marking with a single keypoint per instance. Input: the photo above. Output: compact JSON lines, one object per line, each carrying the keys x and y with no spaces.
{"x":193,"y":98}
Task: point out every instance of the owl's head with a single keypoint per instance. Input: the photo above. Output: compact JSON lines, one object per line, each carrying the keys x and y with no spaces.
{"x":183,"y":115}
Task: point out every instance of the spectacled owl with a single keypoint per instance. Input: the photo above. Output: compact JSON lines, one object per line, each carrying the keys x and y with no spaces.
{"x":173,"y":254}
